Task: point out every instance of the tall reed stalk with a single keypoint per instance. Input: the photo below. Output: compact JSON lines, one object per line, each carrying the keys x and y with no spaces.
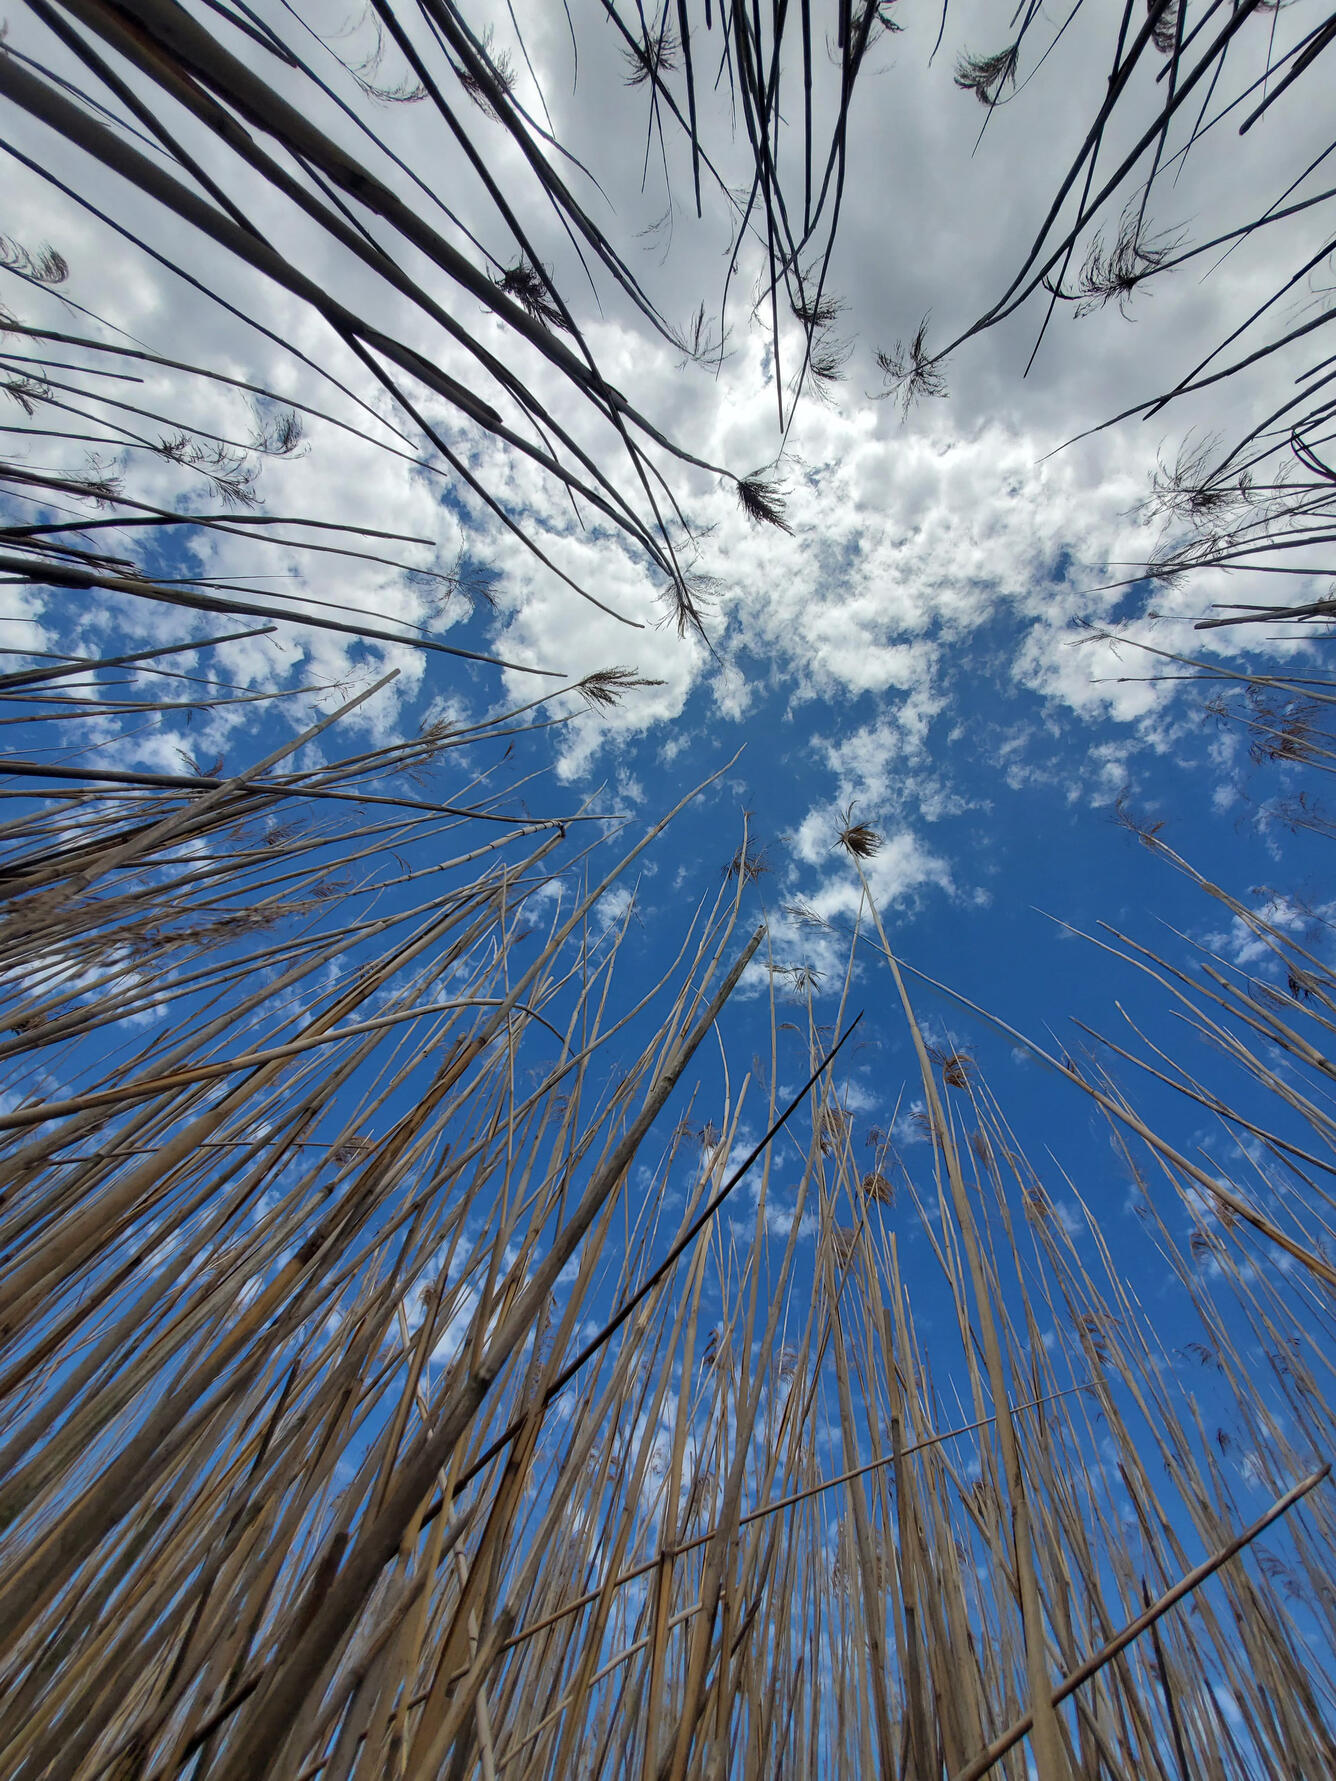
{"x":424,"y":1354}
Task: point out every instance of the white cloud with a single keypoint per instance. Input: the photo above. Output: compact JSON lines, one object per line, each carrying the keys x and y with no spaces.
{"x":925,"y":554}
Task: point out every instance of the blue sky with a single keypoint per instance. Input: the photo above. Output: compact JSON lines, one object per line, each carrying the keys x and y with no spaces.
{"x":990,"y":848}
{"x":911,"y":651}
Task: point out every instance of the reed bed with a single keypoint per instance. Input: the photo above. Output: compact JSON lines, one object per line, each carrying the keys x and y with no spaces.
{"x":424,"y":1350}
{"x":405,"y":1372}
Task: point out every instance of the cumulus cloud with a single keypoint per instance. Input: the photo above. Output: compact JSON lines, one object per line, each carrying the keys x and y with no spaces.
{"x":927,"y":556}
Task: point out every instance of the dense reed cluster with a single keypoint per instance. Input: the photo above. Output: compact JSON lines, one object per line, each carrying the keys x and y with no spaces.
{"x":362,"y":1409}
{"x":423,"y":1354}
